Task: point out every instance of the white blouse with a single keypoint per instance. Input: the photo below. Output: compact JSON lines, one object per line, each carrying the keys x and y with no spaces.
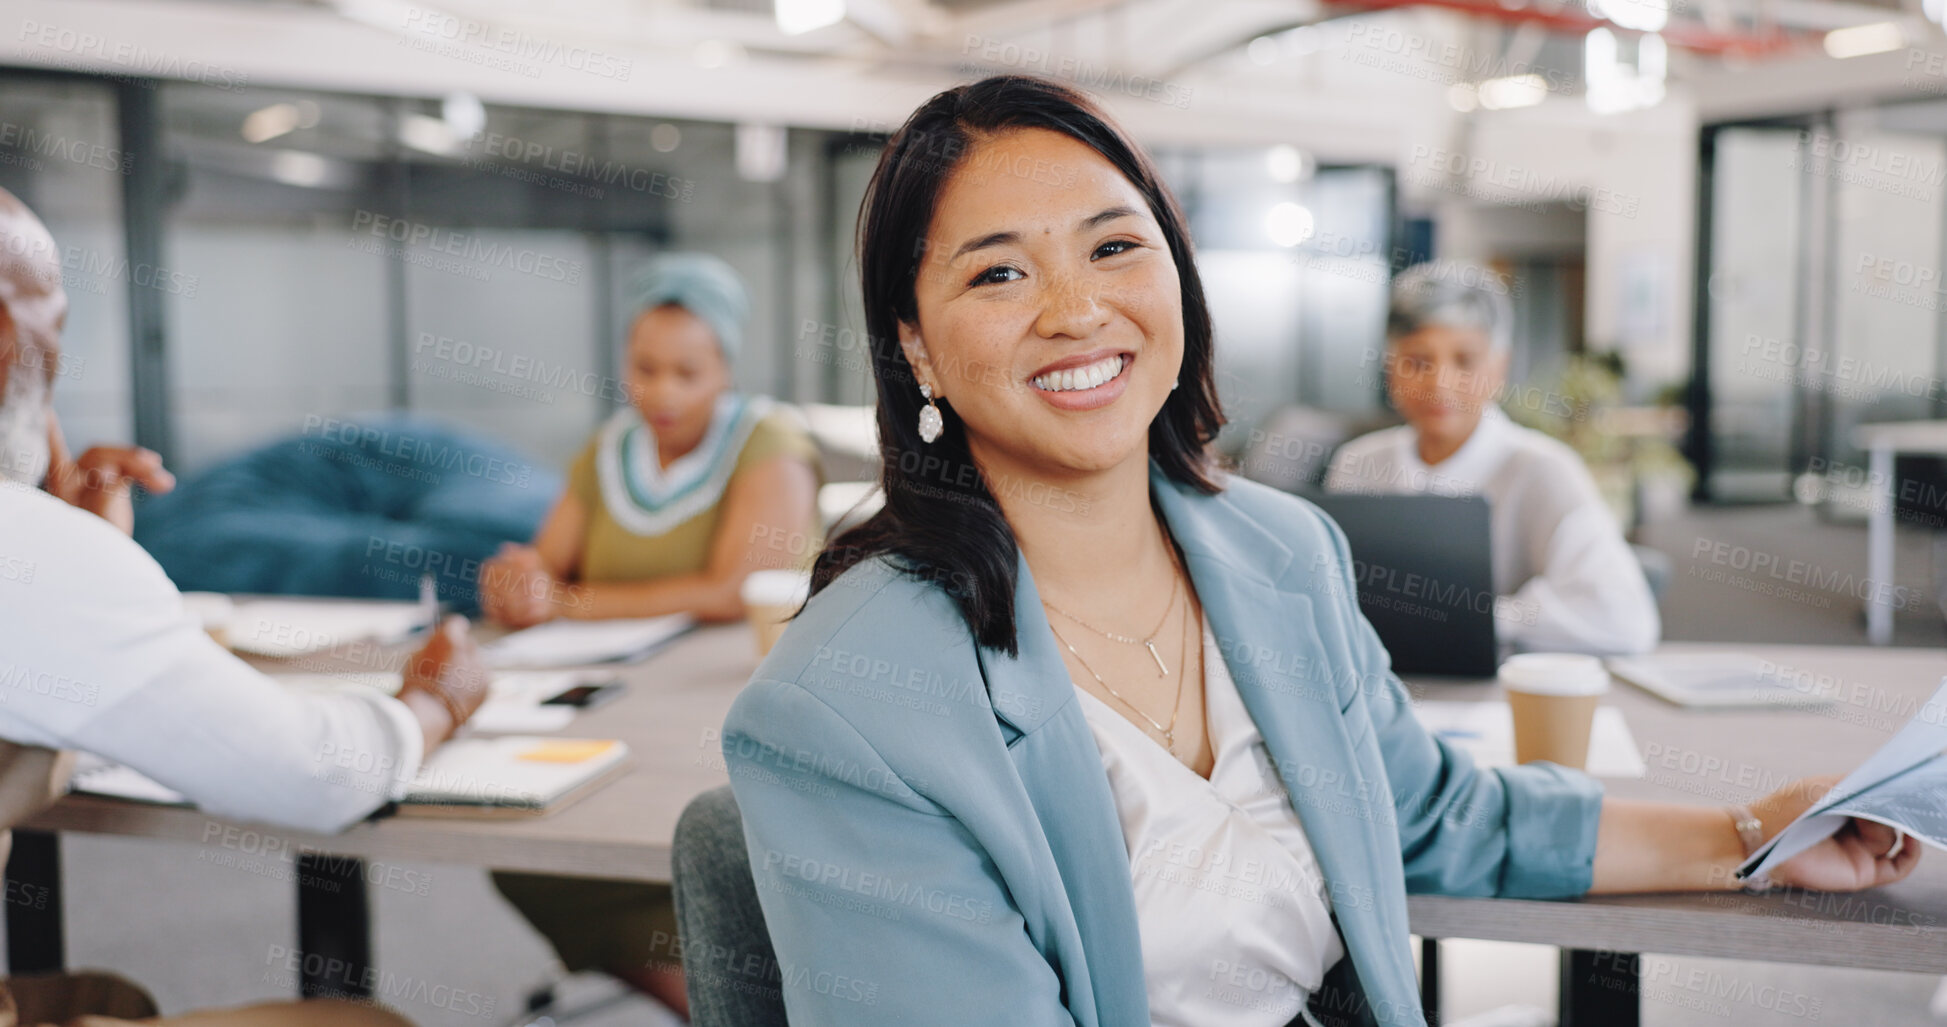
{"x":1564,"y":577}
{"x":1234,"y":913}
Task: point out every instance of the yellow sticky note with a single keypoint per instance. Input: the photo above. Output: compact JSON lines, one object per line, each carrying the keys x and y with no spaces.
{"x":568,"y":750}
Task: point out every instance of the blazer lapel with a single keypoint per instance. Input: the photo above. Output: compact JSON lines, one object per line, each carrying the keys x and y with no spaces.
{"x":1061,"y":769}
{"x":1286,"y":681}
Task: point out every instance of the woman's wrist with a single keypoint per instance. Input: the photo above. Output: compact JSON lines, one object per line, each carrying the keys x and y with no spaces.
{"x":1663,"y":847}
{"x":573,"y":599}
{"x":1750,"y":832}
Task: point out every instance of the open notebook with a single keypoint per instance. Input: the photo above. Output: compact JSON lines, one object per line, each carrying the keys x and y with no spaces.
{"x":513,"y":775}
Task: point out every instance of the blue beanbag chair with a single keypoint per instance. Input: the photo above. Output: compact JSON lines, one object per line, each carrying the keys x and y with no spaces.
{"x":356,"y":507}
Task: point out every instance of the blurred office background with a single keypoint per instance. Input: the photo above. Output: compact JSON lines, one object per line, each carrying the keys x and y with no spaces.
{"x":1720,"y":223}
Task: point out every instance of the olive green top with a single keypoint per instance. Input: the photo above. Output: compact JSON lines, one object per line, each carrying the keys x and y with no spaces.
{"x":646,"y":521}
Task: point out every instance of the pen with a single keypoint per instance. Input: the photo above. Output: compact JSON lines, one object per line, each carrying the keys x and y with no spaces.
{"x":428,"y":602}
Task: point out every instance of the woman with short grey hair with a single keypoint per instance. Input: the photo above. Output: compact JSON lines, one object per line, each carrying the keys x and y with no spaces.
{"x":1456,"y":295}
{"x":1564,"y":578}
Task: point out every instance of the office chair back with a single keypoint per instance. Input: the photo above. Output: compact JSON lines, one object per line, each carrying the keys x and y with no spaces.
{"x":730,"y":969}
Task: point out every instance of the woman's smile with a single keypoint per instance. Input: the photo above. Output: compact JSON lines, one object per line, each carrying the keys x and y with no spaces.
{"x":1084,"y":381}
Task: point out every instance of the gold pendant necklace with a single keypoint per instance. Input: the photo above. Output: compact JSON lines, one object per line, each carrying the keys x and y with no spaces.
{"x":1176,"y":585}
{"x":1168,"y":731}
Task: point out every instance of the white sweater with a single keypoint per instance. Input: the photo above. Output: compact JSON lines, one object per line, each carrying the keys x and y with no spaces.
{"x":1565,"y":579}
{"x":97,"y":653}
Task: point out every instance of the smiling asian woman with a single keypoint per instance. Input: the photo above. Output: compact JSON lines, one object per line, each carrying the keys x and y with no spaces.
{"x":1095,"y":735}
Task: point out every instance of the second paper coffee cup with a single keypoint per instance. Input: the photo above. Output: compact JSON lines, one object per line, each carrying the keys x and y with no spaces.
{"x":1553,"y":697}
{"x":770,"y":599}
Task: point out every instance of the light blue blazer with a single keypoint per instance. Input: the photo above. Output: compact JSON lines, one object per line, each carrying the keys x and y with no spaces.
{"x":935,"y":841}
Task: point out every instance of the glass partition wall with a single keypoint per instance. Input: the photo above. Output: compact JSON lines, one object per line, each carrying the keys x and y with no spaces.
{"x":466,"y":262}
{"x":1820,"y":299}
{"x":326,"y":256}
{"x":61,"y":154}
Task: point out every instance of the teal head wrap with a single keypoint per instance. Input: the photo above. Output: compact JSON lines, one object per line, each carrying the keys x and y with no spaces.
{"x":701,"y":284}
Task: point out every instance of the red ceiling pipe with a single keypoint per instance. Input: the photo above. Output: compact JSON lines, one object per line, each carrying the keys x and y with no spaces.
{"x":1690,"y":36}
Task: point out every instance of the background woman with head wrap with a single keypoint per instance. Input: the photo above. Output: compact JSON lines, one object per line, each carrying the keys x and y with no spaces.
{"x":659,"y":515}
{"x":663,"y":503}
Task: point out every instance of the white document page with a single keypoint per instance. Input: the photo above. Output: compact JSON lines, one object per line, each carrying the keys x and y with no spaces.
{"x":1904,"y":785}
{"x":287,"y":627}
{"x":574,"y":643}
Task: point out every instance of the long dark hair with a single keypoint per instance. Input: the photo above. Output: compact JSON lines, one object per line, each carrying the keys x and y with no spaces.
{"x":940,"y":520}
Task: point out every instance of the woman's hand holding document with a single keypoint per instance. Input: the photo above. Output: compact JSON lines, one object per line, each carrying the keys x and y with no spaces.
{"x":1863,"y":822}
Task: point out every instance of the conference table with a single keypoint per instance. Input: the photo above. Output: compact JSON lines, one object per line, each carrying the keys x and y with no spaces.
{"x":1719,"y":757}
{"x":676,"y":701}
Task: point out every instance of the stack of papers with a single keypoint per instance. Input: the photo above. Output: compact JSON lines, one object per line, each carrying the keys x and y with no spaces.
{"x":576,"y":643}
{"x":1485,"y":731}
{"x":286,"y":627}
{"x":515,"y":774}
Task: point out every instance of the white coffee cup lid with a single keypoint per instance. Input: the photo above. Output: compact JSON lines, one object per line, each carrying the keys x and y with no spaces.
{"x":1555,"y":674}
{"x":777,"y":588}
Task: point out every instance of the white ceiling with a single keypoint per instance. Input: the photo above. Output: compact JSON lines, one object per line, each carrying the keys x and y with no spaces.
{"x":1173,"y":70}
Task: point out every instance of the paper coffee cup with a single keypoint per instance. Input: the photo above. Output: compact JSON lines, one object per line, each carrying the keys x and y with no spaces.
{"x":770,"y":598}
{"x":1553,"y":697}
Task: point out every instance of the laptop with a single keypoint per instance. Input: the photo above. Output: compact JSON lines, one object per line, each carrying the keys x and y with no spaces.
{"x":1425,"y":579}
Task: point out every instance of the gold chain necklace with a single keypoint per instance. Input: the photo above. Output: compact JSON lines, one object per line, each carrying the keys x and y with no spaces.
{"x":1176,"y":585}
{"x":1176,"y":709}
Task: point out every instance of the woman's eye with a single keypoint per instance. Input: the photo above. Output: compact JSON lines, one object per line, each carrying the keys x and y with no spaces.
{"x":1113,"y":247}
{"x":996,"y":274}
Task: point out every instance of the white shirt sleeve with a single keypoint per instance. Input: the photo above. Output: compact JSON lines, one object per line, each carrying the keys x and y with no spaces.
{"x":1338,"y":475}
{"x":1590,"y":596}
{"x":1365,"y":464}
{"x":97,"y":653}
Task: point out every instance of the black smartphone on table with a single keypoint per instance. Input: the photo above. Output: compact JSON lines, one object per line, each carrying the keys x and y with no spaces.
{"x":587,"y":695}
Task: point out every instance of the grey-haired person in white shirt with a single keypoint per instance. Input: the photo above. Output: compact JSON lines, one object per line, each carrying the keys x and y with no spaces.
{"x":98,"y":653}
{"x":1563,"y":576}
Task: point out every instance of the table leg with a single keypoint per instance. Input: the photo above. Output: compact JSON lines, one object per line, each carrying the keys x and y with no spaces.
{"x":334,"y":928}
{"x":1430,"y":979}
{"x":1600,"y":989}
{"x":1879,"y":545}
{"x":35,"y":937}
